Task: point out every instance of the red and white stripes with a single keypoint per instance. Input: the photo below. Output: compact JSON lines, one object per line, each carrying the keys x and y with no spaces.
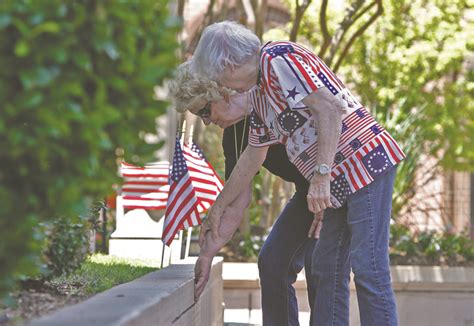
{"x":145,"y":187}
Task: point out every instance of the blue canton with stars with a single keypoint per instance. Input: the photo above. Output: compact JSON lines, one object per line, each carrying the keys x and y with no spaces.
{"x":304,"y":157}
{"x":377,"y":161}
{"x":360,"y":113}
{"x":355,"y":144}
{"x":280,"y":50}
{"x":375,"y":129}
{"x":290,"y":120}
{"x":255,"y":121}
{"x":339,"y":157}
{"x":195,"y":148}
{"x":340,"y":188}
{"x":344,"y":128}
{"x":179,"y":168}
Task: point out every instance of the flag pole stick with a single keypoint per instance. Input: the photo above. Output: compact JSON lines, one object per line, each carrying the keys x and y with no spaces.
{"x":190,"y":229}
{"x":172,"y":139}
{"x":182,"y":134}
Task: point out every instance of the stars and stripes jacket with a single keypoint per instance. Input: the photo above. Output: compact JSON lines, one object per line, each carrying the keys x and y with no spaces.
{"x":289,"y":73}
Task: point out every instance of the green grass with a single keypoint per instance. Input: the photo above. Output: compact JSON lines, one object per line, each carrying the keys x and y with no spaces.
{"x":101,"y":272}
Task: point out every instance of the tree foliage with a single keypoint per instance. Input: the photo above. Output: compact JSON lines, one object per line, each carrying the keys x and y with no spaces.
{"x":76,"y":88}
{"x":412,"y":71}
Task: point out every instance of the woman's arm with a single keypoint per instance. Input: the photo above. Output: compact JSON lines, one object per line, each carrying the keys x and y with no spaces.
{"x":245,"y":169}
{"x":328,"y":115}
{"x":230,"y":221}
{"x":210,"y":247}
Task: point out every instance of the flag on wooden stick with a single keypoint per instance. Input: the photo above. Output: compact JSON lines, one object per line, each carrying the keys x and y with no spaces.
{"x":206,"y":182}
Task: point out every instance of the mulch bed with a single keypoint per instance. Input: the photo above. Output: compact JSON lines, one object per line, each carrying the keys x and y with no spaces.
{"x":37,"y":298}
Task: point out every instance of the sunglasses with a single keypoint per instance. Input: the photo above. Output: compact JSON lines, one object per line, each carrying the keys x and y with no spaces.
{"x":205,"y":112}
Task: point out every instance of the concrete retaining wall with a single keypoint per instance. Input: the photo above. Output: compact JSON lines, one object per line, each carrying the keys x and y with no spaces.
{"x":165,"y":297}
{"x":425,"y":295}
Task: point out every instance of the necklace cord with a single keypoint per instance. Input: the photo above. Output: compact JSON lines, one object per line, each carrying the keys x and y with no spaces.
{"x":238,"y":153}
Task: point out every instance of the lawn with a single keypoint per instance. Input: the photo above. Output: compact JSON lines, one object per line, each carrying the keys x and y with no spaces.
{"x":98,"y":273}
{"x":102,"y":272}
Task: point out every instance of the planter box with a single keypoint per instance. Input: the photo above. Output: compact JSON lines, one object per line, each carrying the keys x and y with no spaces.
{"x":425,"y":295}
{"x":164,"y":297}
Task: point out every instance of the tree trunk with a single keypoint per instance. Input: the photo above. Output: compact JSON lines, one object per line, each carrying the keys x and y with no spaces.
{"x":266,"y":198}
{"x":181,"y":4}
{"x":276,"y":204}
{"x":260,"y":17}
{"x":299,"y":14}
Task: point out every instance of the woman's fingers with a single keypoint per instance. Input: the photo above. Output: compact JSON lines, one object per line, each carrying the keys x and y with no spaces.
{"x":201,"y":278}
{"x":318,"y":229}
{"x":316,"y":225}
{"x":199,"y":288}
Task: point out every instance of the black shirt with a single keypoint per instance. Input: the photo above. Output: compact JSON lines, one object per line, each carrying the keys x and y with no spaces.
{"x":276,"y":162}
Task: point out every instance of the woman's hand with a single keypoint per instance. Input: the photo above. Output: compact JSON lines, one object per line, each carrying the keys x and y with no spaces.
{"x":319,"y":195}
{"x":202,"y":270}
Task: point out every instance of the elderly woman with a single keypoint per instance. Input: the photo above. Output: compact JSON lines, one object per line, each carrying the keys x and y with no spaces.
{"x":346,"y":156}
{"x":287,"y":248}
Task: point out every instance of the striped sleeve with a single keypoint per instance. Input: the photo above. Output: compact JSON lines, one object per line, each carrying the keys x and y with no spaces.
{"x":297,"y":77}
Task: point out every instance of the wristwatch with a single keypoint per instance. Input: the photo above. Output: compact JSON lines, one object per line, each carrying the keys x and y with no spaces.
{"x":322,"y":169}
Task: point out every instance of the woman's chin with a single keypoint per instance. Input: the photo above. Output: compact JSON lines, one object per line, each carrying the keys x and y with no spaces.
{"x":226,"y":124}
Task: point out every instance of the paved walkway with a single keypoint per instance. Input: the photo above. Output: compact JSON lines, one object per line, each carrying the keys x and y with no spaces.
{"x":242,"y":295}
{"x":431,"y":296}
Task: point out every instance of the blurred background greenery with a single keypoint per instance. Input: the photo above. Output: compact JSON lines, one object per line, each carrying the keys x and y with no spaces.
{"x":76,"y":93}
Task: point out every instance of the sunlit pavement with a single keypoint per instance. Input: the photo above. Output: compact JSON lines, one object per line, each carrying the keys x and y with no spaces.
{"x":241,"y":317}
{"x":242,"y":295}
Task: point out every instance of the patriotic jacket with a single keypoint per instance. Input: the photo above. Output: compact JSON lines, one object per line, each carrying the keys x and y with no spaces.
{"x":289,"y":73}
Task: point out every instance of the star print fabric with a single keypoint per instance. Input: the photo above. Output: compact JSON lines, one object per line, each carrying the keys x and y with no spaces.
{"x":291,"y":72}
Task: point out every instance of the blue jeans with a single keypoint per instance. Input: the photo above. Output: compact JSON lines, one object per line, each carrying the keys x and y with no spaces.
{"x":356,"y":236}
{"x":284,"y":253}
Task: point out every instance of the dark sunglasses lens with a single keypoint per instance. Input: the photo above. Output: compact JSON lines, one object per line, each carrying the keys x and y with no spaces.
{"x":205,"y":112}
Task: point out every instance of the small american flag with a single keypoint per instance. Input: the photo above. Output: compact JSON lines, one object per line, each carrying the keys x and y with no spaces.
{"x":206,"y":182}
{"x":145,"y":187}
{"x":182,"y":205}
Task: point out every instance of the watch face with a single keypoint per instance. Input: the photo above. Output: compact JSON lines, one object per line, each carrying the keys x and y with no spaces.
{"x":324,"y":169}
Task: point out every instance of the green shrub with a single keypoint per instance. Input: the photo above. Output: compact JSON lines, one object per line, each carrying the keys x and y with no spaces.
{"x":76,"y":89}
{"x":67,"y":245}
{"x":67,"y":242}
{"x":429,"y":248}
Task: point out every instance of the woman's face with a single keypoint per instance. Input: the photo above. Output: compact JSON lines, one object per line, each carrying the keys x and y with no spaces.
{"x":224,"y":112}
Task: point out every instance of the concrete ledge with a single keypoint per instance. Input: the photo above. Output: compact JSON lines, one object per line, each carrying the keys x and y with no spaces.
{"x":165,"y":297}
{"x":406,"y":278}
{"x":426,"y":295}
{"x":433,"y":278}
